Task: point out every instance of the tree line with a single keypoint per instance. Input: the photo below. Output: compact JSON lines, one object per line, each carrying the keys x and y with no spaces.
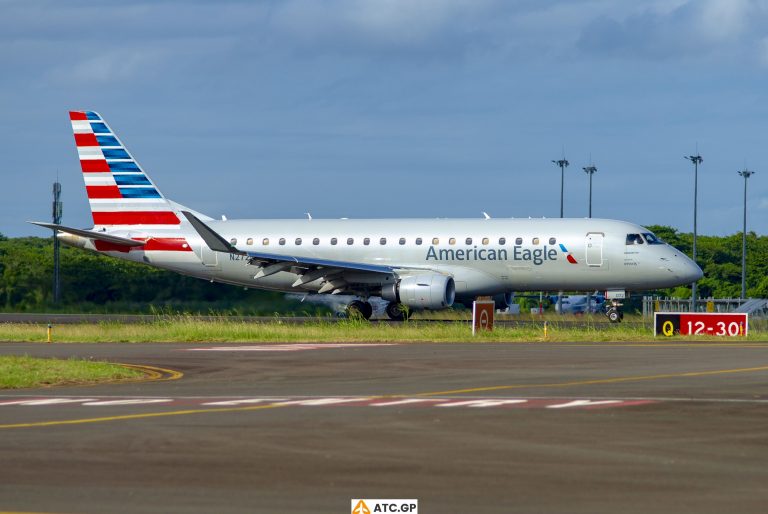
{"x":96,"y":283}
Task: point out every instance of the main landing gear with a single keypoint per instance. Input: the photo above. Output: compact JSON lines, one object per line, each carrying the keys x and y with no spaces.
{"x":397,"y":311}
{"x":614,"y":313}
{"x":359,"y":309}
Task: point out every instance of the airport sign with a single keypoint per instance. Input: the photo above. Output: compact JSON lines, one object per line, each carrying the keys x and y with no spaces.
{"x":727,"y":324}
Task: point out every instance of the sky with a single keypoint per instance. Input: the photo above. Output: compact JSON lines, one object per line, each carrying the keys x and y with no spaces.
{"x":395,"y":108}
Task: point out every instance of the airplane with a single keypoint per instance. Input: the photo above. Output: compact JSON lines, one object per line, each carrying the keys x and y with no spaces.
{"x":412,"y":264}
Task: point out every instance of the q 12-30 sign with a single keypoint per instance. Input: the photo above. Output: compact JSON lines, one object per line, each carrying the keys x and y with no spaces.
{"x":700,"y":323}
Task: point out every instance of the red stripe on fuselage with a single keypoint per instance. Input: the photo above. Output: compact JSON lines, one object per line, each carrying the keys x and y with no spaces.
{"x":77,"y":115}
{"x":104,"y":246}
{"x":86,"y":140}
{"x":136,"y":218}
{"x":94,"y":166}
{"x":160,"y":244}
{"x":103,"y":192}
{"x":571,"y":259}
{"x":167,"y":244}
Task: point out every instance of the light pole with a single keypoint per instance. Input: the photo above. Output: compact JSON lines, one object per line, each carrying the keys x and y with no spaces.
{"x":746,"y":174}
{"x":56,"y":211}
{"x":696,"y":160}
{"x":590,"y":170}
{"x":563,"y":163}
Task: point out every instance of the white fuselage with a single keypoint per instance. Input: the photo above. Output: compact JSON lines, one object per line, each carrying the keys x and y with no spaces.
{"x":484,"y":256}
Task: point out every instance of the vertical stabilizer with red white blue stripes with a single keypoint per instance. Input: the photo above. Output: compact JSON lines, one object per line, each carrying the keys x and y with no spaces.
{"x":119,"y":192}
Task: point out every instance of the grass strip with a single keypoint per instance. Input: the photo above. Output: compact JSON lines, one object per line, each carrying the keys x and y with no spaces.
{"x":188,"y":329}
{"x":23,"y":371}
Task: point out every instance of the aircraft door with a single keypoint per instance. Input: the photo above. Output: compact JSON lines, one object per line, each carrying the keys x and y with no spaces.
{"x":208,"y":256}
{"x":594,"y":246}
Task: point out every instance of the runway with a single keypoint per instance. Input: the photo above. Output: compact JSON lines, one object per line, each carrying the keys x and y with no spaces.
{"x":461,"y":427}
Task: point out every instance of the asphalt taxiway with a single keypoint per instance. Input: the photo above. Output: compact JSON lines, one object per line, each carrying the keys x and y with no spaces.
{"x":462,"y":427}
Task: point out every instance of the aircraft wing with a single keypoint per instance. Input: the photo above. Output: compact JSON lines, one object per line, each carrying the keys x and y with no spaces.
{"x":91,"y":234}
{"x":272,"y":262}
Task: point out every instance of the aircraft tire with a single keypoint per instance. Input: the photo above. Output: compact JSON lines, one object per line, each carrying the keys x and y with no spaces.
{"x":367,"y":311}
{"x":396,"y":312}
{"x":614,"y":315}
{"x":359,"y":309}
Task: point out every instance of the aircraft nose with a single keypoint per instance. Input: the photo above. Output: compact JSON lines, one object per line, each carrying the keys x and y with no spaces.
{"x":691,"y":271}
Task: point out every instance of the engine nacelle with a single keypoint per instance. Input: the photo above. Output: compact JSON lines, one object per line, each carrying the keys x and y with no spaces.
{"x":504,"y":300}
{"x":426,"y":291}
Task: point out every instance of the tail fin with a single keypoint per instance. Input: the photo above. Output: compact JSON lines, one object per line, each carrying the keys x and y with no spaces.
{"x":119,"y":192}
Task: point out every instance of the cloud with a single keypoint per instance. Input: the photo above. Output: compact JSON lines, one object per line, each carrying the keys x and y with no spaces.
{"x":696,"y":28}
{"x":355,"y":26}
{"x":111,"y":67}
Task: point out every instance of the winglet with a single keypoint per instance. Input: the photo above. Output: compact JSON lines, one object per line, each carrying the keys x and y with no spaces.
{"x":214,"y":241}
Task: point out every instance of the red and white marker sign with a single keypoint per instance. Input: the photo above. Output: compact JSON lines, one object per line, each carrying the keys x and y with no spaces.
{"x":482,"y":315}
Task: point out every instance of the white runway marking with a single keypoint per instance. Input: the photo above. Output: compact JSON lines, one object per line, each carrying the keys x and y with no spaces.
{"x":331,"y":401}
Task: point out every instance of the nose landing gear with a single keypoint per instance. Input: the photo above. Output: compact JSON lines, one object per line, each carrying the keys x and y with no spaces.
{"x":614,"y":312}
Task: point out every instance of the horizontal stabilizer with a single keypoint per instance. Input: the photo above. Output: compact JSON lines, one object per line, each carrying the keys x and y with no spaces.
{"x":90,"y":234}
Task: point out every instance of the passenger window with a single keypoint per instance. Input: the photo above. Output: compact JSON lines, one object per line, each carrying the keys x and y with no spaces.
{"x":535,"y":240}
{"x":452,"y":241}
{"x":519,"y":241}
{"x":468,"y":241}
{"x":265,"y":241}
{"x":486,"y":241}
{"x":435,"y":241}
{"x":350,"y":241}
{"x":316,"y":241}
{"x":282,"y":241}
{"x":233,"y":241}
{"x":334,"y":240}
{"x":552,"y":241}
{"x":418,"y":241}
{"x":402,"y":241}
{"x":298,"y":241}
{"x":383,"y":241}
{"x":249,"y":241}
{"x":367,"y":241}
{"x":502,"y":240}
{"x":634,"y":239}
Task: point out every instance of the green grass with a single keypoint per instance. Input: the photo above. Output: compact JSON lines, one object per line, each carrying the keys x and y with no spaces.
{"x":189,"y":329}
{"x":22,"y":371}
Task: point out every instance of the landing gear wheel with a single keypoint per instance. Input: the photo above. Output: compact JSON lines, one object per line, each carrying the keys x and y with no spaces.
{"x":367,"y":310}
{"x":358,"y":309}
{"x":614,"y":315}
{"x":397,"y":311}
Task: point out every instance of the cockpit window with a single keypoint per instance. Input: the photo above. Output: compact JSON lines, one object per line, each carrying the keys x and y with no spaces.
{"x":634,"y":239}
{"x":652,"y":239}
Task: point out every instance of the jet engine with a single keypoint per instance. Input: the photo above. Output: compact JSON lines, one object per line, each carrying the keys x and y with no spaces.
{"x":425,"y":291}
{"x":504,"y":300}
